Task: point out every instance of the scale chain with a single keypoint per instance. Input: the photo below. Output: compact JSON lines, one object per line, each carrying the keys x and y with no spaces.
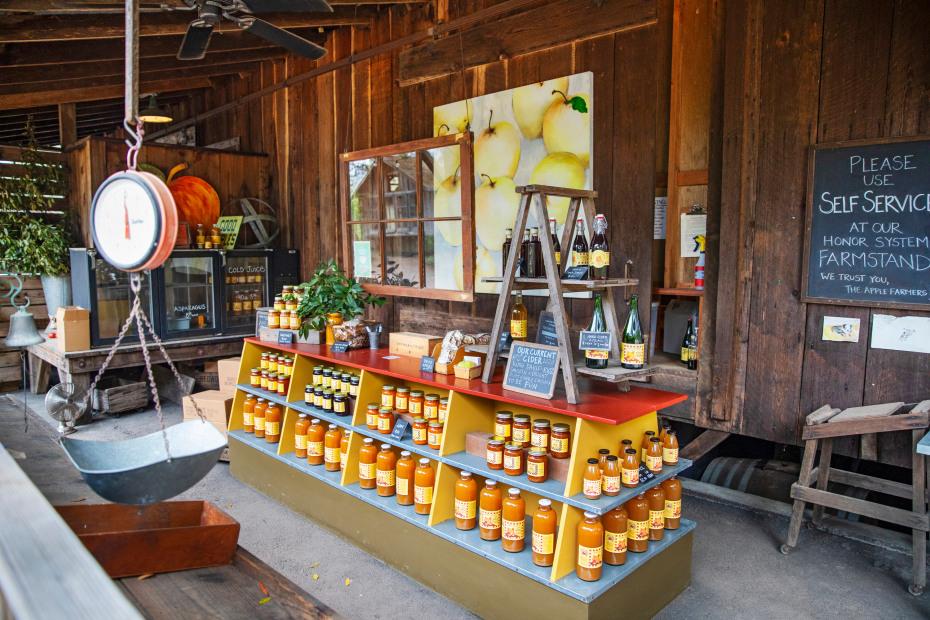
{"x":148,"y":370}
{"x":111,"y":353}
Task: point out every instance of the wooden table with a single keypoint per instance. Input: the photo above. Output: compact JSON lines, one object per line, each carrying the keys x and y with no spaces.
{"x":80,"y":367}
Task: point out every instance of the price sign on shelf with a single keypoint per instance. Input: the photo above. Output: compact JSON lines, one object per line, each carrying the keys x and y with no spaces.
{"x":400,"y":428}
{"x":532,"y":369}
{"x":545,"y":333}
{"x":427,"y":364}
{"x":340,"y":347}
{"x":285,"y":337}
{"x":595,"y":341}
{"x":579,"y":272}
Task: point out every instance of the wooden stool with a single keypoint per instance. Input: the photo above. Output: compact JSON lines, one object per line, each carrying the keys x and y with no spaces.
{"x":827,"y":423}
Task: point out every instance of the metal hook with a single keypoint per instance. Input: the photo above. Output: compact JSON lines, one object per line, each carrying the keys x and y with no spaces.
{"x":138,"y":134}
{"x":15,"y":290}
{"x":135,"y":282}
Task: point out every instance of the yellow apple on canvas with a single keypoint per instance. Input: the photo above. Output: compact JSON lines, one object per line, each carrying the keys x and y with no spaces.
{"x":448,"y":203}
{"x":496,"y":204}
{"x":530,"y":103}
{"x":452,"y":118}
{"x":485,"y":267}
{"x":497,"y":150}
{"x":567,"y":130}
{"x":446,"y":161}
{"x":559,"y":170}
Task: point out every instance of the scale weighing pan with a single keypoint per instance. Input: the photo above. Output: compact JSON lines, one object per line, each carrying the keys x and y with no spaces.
{"x":138,"y":471}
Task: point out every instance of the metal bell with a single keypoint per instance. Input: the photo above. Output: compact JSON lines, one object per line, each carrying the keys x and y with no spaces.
{"x":23,"y":330}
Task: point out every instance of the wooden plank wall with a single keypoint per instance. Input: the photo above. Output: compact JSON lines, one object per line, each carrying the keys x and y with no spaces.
{"x":796,"y":73}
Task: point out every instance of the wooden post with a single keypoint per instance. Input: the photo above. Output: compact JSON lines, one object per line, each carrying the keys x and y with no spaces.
{"x":67,"y":124}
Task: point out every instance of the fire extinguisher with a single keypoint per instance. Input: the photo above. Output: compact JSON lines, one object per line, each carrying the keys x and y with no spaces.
{"x":699,"y":268}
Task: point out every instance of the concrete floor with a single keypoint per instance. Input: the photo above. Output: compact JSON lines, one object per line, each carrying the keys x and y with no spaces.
{"x":737,"y":571}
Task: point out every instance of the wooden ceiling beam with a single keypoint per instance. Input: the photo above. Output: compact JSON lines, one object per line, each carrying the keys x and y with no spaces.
{"x":92,"y":93}
{"x":52,"y":7}
{"x":51,"y":72}
{"x":29,"y":28}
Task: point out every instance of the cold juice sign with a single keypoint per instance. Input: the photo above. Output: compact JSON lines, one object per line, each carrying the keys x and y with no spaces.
{"x":868,"y":224}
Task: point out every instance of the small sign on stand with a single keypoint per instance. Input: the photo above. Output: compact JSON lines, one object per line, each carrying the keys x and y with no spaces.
{"x":427,"y":364}
{"x":532,"y":369}
{"x":339,"y":347}
{"x":579,"y":272}
{"x":595,"y":341}
{"x":400,"y":429}
{"x":285,"y":337}
{"x":545,"y":332}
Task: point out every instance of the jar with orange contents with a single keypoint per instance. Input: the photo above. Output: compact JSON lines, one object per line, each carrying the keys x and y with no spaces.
{"x":273,"y":423}
{"x":385,"y":420}
{"x":274,"y":318}
{"x":272,"y":386}
{"x":590,"y":548}
{"x":401,"y":399}
{"x":420,"y":428}
{"x":434,"y":435}
{"x":496,"y":452}
{"x":513,"y":458}
{"x":424,"y":477}
{"x":263,"y":364}
{"x":385,"y":477}
{"x":560,"y":443}
{"x":503,"y":424}
{"x":331,"y":442}
{"x":540,"y":434}
{"x":387,"y":396}
{"x":259,"y":418}
{"x":248,"y":414}
{"x":521,"y":430}
{"x":367,"y":464}
{"x":284,"y":384}
{"x":315,"y":440}
{"x":264,"y":380}
{"x":371,"y":416}
{"x":431,"y":406}
{"x":415,"y":403}
{"x":300,"y":435}
{"x":255,"y":377}
{"x":443,"y":409}
{"x":537,"y":465}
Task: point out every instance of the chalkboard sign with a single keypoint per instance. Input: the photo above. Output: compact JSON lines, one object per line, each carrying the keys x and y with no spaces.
{"x":399,"y":429}
{"x":427,"y":364}
{"x":340,"y":346}
{"x":285,"y":337}
{"x":504,"y":344}
{"x":594,"y":341}
{"x":532,"y":369}
{"x":579,"y":272}
{"x":545,"y":332}
{"x":867,"y":241}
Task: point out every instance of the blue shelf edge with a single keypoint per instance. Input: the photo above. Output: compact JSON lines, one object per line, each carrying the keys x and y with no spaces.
{"x":520,"y":563}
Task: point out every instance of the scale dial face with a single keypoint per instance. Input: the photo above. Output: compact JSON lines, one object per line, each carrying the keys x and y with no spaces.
{"x":127,"y":220}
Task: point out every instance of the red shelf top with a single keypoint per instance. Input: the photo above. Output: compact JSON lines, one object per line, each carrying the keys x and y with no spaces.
{"x":601,"y":402}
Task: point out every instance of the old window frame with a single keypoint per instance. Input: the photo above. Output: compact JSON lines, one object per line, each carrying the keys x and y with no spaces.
{"x":464,"y":141}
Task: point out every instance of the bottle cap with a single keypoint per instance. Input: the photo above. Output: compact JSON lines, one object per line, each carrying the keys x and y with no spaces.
{"x":385,"y":446}
{"x":303,"y":416}
{"x":592,"y":461}
{"x":650,"y":433}
{"x":611,"y":458}
{"x":466,"y":474}
{"x":314,"y":421}
{"x":424,"y":462}
{"x":514,"y":492}
{"x":551,"y":219}
{"x":603,"y":451}
{"x":333,"y":427}
{"x":589,"y":515}
{"x":490,"y":483}
{"x":656,"y":439}
{"x":627,"y":442}
{"x":630,"y":451}
{"x":545,"y":502}
{"x":405,"y":453}
{"x":369,"y":440}
{"x":671,"y":433}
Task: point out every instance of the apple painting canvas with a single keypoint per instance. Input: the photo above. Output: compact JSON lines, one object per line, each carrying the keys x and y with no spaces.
{"x":539,"y":133}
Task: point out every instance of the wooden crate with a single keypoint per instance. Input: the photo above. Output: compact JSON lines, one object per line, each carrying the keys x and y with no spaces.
{"x":118,"y":395}
{"x":160,"y":538}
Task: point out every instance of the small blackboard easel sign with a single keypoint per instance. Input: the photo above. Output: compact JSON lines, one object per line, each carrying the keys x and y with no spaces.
{"x":594,"y":341}
{"x":340,"y":346}
{"x":579,"y":272}
{"x":532,"y":369}
{"x":545,"y":332}
{"x":285,"y":337}
{"x":427,"y":364}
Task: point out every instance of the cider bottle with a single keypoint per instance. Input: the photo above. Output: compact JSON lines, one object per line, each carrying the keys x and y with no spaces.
{"x":637,"y":531}
{"x":466,"y":500}
{"x":273,"y":423}
{"x":672,"y":488}
{"x":592,"y":480}
{"x":611,"y":478}
{"x":518,"y":317}
{"x":545,"y":524}
{"x":632,"y":344}
{"x":654,"y":455}
{"x":300,"y":435}
{"x":384,"y":476}
{"x":248,"y":414}
{"x":505,"y":250}
{"x":489,"y":511}
{"x":590,"y":548}
{"x":556,"y":244}
{"x":344,"y":448}
{"x":316,"y":437}
{"x":534,"y":256}
{"x":597,"y":359}
{"x":332,"y":440}
{"x":670,"y":449}
{"x":367,"y":464}
{"x":258,"y":417}
{"x":404,"y":479}
{"x":579,"y":246}
{"x":615,"y":526}
{"x":424,"y":477}
{"x":599,"y":264}
{"x":644,"y":446}
{"x":629,"y":469}
{"x":656,"y":498}
{"x":524,"y":254}
{"x":513,"y":522}
{"x":685,"y":356}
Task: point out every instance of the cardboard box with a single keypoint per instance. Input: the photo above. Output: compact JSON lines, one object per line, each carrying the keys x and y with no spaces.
{"x":228,"y":374}
{"x":214,"y":404}
{"x":73,"y":328}
{"x":206,"y":379}
{"x":412,"y":344}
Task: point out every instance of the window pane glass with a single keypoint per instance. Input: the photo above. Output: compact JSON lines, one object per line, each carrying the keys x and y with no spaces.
{"x":399,"y":174}
{"x":114,"y":298}
{"x":403,"y":256}
{"x":439,"y":174}
{"x":363,"y":190}
{"x":366,"y":252}
{"x":189,"y":293}
{"x":443,"y":261}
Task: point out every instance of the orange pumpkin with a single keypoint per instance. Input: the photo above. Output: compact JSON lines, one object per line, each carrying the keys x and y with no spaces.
{"x":198,"y":202}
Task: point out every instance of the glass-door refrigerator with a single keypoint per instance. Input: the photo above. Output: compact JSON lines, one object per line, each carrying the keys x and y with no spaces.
{"x":189,"y":284}
{"x":247,"y":287}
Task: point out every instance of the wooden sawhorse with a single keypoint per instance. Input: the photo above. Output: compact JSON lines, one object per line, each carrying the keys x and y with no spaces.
{"x":820,"y":432}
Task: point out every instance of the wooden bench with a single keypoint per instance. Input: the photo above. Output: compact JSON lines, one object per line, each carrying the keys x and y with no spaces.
{"x":825,"y":424}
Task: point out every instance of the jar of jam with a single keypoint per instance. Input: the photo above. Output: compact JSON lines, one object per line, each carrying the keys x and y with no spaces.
{"x":521,"y":429}
{"x":654,"y":455}
{"x":317,"y":375}
{"x":415,"y":404}
{"x":263,"y":381}
{"x":273,"y":423}
{"x":327,"y":376}
{"x":344,"y":448}
{"x":431,"y":406}
{"x":264,"y":361}
{"x":344,"y":385}
{"x":420,"y":428}
{"x":258,"y":417}
{"x":592,"y":480}
{"x":353,"y":385}
{"x":308,"y":395}
{"x":255,"y":378}
{"x":300,"y":435}
{"x":273,"y":363}
{"x":290,"y":304}
{"x":371,"y":416}
{"x":367,"y":468}
{"x":610,"y":483}
{"x":294,"y":322}
{"x":272,"y":382}
{"x":331,"y":442}
{"x":387,"y":396}
{"x":288,"y":366}
{"x":248,"y":414}
{"x":503,"y":424}
{"x":513,"y":458}
{"x":443,"y":409}
{"x":560,"y":442}
{"x":434,"y":435}
{"x":327,"y":400}
{"x":385,"y":476}
{"x":284,"y":383}
{"x":279,"y":302}
{"x":539,"y":437}
{"x":496,"y":452}
{"x":385,"y":420}
{"x":318,"y":397}
{"x":537,"y":464}
{"x":339,"y":403}
{"x":401,"y":398}
{"x":274,"y":318}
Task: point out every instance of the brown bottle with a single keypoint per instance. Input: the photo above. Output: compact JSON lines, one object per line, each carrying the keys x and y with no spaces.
{"x":656,"y":498}
{"x":629,"y":469}
{"x":637,"y":531}
{"x":556,"y":244}
{"x":535,"y":261}
{"x":505,"y":250}
{"x":670,"y":449}
{"x":615,"y":527}
{"x":524,"y":254}
{"x":599,"y":263}
{"x":579,"y":246}
{"x":654,"y":455}
{"x":672,"y":488}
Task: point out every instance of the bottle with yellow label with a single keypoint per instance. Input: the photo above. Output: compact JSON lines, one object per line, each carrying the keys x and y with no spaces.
{"x":579,"y":246}
{"x":629,"y":469}
{"x":600,"y":251}
{"x":592,"y":480}
{"x":654,"y":455}
{"x":273,"y":423}
{"x":489,"y":511}
{"x":590,"y":548}
{"x":656,"y":498}
{"x":331,"y":443}
{"x":513,"y":522}
{"x":545,"y":524}
{"x":404,"y":478}
{"x":610,"y":484}
{"x":615,"y":528}
{"x":424,"y":477}
{"x":518,"y":318}
{"x":316,"y":436}
{"x":344,"y":448}
{"x":637,"y":530}
{"x":670,"y":449}
{"x":672,"y":488}
{"x":300,"y":435}
{"x":466,"y":502}
{"x":367,"y":464}
{"x":632,"y":343}
{"x":385,"y":471}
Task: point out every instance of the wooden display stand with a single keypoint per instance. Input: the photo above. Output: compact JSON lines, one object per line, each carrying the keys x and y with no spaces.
{"x":536,"y":195}
{"x":458,"y":564}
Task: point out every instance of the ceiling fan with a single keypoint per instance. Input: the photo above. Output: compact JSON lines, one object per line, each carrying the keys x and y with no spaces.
{"x":240,"y":12}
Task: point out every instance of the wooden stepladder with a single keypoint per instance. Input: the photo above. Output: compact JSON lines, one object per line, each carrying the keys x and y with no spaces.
{"x":535,"y":196}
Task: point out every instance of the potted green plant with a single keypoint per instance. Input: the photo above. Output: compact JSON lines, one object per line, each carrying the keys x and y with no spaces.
{"x":328,"y":298}
{"x":34,"y":234}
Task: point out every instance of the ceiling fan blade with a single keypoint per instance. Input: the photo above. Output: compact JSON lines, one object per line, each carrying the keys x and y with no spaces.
{"x":282,"y":6}
{"x":196,"y":40}
{"x":285,"y":39}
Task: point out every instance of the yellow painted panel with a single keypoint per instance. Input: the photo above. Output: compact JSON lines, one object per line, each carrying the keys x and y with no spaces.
{"x":235,"y":414}
{"x":286,"y":445}
{"x":251,"y":358}
{"x":444,"y":494}
{"x":466,"y":413}
{"x":369,"y":391}
{"x":303,"y":374}
{"x":567,"y":545}
{"x":350,"y":472}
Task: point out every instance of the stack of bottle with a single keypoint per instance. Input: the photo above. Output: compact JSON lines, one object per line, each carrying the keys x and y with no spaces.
{"x":409,"y":481}
{"x":427,"y":410}
{"x":530,"y":260}
{"x":520,"y":445}
{"x":332,"y":390}
{"x":606,"y":474}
